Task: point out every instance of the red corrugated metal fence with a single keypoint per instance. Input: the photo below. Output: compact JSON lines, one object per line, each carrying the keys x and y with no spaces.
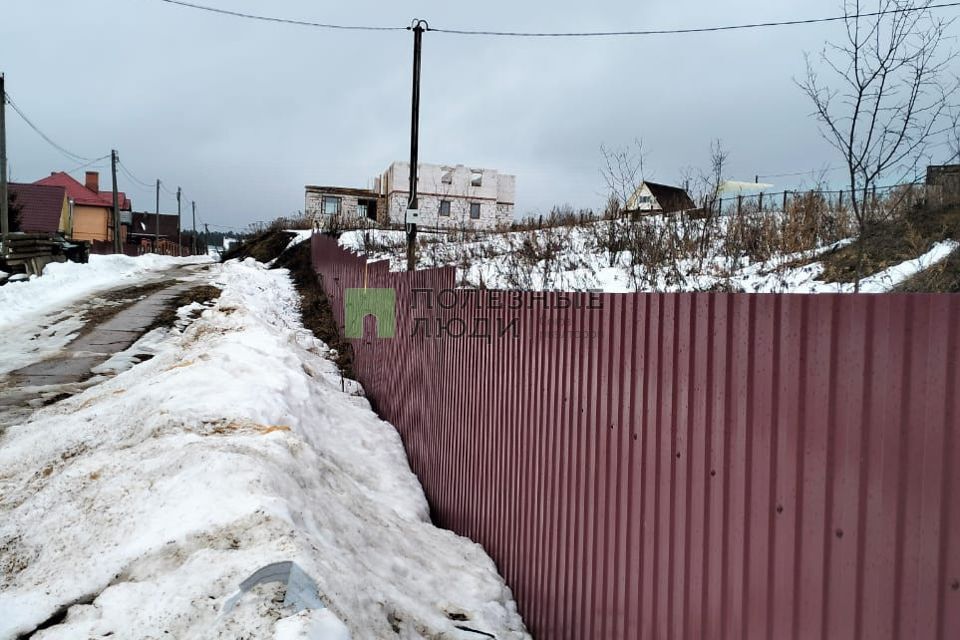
{"x":684,"y":465}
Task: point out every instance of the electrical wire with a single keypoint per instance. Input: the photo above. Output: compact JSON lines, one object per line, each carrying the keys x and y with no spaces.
{"x":299,"y":23}
{"x":684,"y":31}
{"x":127,"y":172}
{"x":164,"y":188}
{"x":84,"y":166}
{"x":829,"y":169}
{"x":566,"y":34}
{"x":73,"y":157}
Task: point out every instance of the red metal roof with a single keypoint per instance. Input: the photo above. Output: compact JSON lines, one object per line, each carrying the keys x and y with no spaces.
{"x":40,"y":206}
{"x":83,"y":196}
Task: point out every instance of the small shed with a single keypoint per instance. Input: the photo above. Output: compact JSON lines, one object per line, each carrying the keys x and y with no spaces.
{"x":652,"y":198}
{"x":943,"y":183}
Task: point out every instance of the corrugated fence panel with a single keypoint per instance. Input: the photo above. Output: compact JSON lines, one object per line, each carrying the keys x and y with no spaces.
{"x":683,"y":465}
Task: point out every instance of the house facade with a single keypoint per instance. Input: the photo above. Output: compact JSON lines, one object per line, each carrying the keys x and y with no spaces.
{"x":91,"y":212}
{"x":447,"y":197}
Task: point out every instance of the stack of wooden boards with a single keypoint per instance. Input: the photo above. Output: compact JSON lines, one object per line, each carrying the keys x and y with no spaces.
{"x":31,"y":252}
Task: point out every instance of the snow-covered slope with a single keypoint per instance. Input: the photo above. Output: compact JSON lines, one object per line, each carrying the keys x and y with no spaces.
{"x":579,"y":258}
{"x":149,"y":498}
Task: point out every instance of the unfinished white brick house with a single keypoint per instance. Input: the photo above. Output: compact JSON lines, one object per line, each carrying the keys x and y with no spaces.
{"x":448,"y":196}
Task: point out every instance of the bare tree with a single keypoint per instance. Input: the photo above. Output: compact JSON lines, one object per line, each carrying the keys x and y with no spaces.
{"x":623,"y":171}
{"x":887,"y":98}
{"x":705,"y":186}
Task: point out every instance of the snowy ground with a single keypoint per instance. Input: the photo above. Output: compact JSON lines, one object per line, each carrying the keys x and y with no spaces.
{"x":494,"y":260}
{"x":39,"y":316}
{"x":149,"y":498}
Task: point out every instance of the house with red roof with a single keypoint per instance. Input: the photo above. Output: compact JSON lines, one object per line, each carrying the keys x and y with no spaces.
{"x":92,"y":209}
{"x":42,"y":208}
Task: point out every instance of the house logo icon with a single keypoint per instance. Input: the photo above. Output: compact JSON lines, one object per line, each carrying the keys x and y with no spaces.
{"x":379,"y":303}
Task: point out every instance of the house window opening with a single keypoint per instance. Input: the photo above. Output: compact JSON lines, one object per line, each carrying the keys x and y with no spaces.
{"x":367,"y":209}
{"x":331,"y":206}
{"x":476,"y":178}
{"x":445,"y":207}
{"x":474,"y":210}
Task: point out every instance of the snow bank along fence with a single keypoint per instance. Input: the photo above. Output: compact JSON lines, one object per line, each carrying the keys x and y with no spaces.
{"x":683,"y":465}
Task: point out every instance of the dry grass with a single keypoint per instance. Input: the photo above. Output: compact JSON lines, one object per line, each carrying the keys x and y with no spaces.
{"x":890,"y":242}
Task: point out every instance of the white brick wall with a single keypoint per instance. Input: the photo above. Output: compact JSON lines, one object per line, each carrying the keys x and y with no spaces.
{"x":313,"y":207}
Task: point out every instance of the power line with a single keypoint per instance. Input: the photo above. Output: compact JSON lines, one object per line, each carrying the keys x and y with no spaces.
{"x":828,"y":169}
{"x":127,"y":172}
{"x":659,"y":32}
{"x":300,"y":23}
{"x":84,"y":166}
{"x":567,"y":34}
{"x":73,"y":157}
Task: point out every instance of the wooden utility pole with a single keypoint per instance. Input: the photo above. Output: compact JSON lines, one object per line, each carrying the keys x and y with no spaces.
{"x":117,"y":248}
{"x":179,"y":227}
{"x":418,"y":28}
{"x":156,"y":226}
{"x":194,"y":239}
{"x":4,"y":197}
{"x":206,"y":239}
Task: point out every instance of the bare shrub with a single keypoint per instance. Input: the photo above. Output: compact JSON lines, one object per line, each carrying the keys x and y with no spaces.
{"x":537,"y":256}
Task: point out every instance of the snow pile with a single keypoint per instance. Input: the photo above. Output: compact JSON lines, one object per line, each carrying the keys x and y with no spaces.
{"x":148,"y":499}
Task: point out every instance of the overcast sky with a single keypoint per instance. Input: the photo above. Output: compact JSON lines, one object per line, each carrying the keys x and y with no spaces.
{"x":243,"y":114}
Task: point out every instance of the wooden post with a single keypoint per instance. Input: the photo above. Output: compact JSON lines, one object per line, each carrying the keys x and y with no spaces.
{"x":419,"y":26}
{"x":117,"y":247}
{"x":179,"y":228}
{"x":156,"y":226}
{"x":194,"y":238}
{"x":4,"y":203}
